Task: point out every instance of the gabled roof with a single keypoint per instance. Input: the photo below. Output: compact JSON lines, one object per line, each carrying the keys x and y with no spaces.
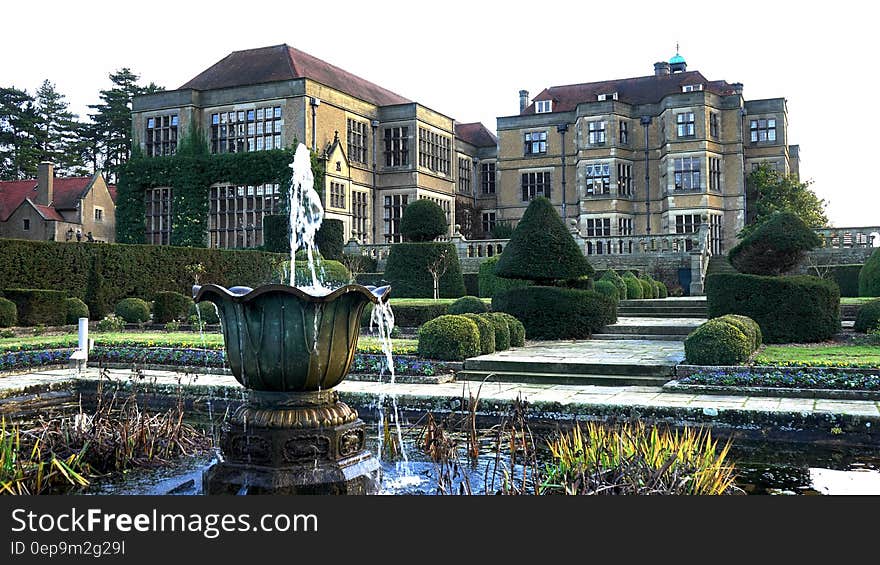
{"x":639,"y":90}
{"x":282,"y":62}
{"x":476,"y":134}
{"x":47,"y":212}
{"x":67,"y":191}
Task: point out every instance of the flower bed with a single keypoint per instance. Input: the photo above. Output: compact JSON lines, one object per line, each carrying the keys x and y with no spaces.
{"x":814,"y":379}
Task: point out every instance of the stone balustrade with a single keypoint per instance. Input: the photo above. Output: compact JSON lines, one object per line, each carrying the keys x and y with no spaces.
{"x":842,"y":238}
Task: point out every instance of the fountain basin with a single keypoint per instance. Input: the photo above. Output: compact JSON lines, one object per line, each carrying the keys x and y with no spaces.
{"x":280,"y":338}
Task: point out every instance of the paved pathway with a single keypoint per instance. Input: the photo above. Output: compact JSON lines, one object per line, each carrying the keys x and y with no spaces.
{"x":638,"y":352}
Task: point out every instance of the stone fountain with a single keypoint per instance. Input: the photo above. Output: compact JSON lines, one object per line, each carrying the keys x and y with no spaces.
{"x":289,"y":347}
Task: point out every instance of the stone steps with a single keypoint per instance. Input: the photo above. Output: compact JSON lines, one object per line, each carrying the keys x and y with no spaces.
{"x":561,"y":378}
{"x":662,"y":312}
{"x":538,"y":366}
{"x":645,"y":337}
{"x":634,"y":328}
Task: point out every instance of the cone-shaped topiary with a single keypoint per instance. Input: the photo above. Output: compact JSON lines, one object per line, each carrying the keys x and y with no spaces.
{"x":541,"y":248}
{"x":869,"y":276}
{"x":608,"y":289}
{"x":633,"y":287}
{"x":775,"y":247}
{"x":423,"y":220}
{"x":612,"y":276}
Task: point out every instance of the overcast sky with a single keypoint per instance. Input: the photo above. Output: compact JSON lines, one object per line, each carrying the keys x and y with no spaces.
{"x":468,"y":60}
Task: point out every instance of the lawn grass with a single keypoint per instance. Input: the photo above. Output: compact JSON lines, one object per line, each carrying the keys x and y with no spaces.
{"x":850,"y":300}
{"x":820,"y":355}
{"x":172,"y":339}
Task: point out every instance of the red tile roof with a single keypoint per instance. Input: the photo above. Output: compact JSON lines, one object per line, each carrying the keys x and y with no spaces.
{"x":67,"y":191}
{"x":639,"y":90}
{"x":49,"y":213}
{"x":282,"y":62}
{"x":476,"y":134}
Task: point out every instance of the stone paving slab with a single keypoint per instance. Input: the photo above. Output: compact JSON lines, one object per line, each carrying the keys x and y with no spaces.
{"x":643,"y":352}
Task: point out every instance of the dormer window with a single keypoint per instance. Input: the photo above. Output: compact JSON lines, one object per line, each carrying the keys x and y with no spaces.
{"x":609,"y":96}
{"x":543,"y":106}
{"x":691,"y":87}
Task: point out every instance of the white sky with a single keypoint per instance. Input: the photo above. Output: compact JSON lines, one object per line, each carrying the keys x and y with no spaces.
{"x":468,"y":60}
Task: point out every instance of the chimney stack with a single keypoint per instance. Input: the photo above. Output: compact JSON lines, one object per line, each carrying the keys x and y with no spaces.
{"x":737,"y":87}
{"x":523,"y":100}
{"x":662,"y":68}
{"x":45,"y":183}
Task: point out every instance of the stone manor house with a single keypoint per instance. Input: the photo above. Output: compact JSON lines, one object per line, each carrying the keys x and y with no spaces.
{"x":651,"y":155}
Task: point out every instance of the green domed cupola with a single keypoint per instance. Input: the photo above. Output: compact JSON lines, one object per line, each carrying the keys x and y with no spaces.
{"x":677,"y":64}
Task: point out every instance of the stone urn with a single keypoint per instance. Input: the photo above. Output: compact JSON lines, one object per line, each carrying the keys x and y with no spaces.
{"x":289,"y":348}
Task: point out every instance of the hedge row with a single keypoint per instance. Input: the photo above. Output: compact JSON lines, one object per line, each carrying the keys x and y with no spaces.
{"x":410,"y":315}
{"x":35,"y":307}
{"x":847,"y":279}
{"x":489,"y":283}
{"x":557,"y":313}
{"x":869,"y":276}
{"x":791,"y":309}
{"x":407,"y":270}
{"x":122,"y":271}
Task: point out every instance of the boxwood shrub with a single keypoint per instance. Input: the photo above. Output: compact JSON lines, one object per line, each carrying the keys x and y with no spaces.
{"x":487,"y":332}
{"x":133,"y":310}
{"x":717,"y":342}
{"x":407,"y":270}
{"x":517,"y":329}
{"x":468,"y":305}
{"x":76,"y":309}
{"x":502,"y":330}
{"x":207,"y":310}
{"x":557,"y":313}
{"x":38,"y":307}
{"x":607,"y":288}
{"x":449,"y":338}
{"x":869,"y":276}
{"x":747,"y":326}
{"x":868,"y":317}
{"x":648,"y":289}
{"x":612,"y":276}
{"x":8,"y":313}
{"x":790,"y":309}
{"x":411,"y":315}
{"x":634,"y":288}
{"x":170,"y":306}
{"x":662,"y":291}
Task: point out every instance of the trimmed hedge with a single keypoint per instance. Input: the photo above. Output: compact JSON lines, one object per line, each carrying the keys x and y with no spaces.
{"x":36,"y":307}
{"x":410,"y":315}
{"x":747,"y":326}
{"x":868,"y":317}
{"x":662,"y":291}
{"x":449,"y":338}
{"x":8,"y":313}
{"x":634,"y":288}
{"x":333,"y":273}
{"x":170,"y":306}
{"x":717,"y":342}
{"x":423,"y":221}
{"x":502,"y":330}
{"x":607,"y":288}
{"x":76,"y":309}
{"x":207,"y":310}
{"x":791,"y":309}
{"x":541,"y":248}
{"x":133,"y":310}
{"x":127,"y":270}
{"x":407,"y":270}
{"x":487,"y":332}
{"x":557,"y":313}
{"x":517,"y":329}
{"x":490,"y":283}
{"x":647,"y":288}
{"x":774,"y":247}
{"x":371,"y":279}
{"x":330,"y":239}
{"x":359,"y":263}
{"x":847,"y":278}
{"x":612,"y":276}
{"x":468,"y":305}
{"x":471,"y":283}
{"x":869,"y":276}
{"x":276,"y":233}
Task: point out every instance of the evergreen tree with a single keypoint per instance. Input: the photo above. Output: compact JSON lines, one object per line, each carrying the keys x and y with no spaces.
{"x":775,"y":192}
{"x":19,"y":132}
{"x":57,"y":131}
{"x":113,"y":118}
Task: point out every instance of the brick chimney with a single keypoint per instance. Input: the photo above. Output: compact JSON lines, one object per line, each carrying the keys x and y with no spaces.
{"x":523,"y":100}
{"x":662,"y":68}
{"x":45,"y":183}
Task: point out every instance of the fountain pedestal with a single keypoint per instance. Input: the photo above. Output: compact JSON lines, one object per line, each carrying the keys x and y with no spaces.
{"x":294,"y":443}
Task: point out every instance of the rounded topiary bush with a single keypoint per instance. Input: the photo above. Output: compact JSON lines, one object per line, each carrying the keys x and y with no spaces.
{"x":717,"y":343}
{"x":634,"y":288}
{"x":517,"y":329}
{"x":774,"y":247}
{"x":76,"y":309}
{"x":557,"y":313}
{"x":662,"y":291}
{"x":868,"y":317}
{"x":502,"y":330}
{"x":869,"y":276}
{"x":647,"y":288}
{"x":449,"y":338}
{"x":607,"y":288}
{"x":487,"y":332}
{"x":207,"y":311}
{"x":170,"y":306}
{"x":747,"y":326}
{"x":133,"y":310}
{"x":468,"y":305}
{"x":612,"y":276}
{"x":8,"y":313}
{"x":423,"y":220}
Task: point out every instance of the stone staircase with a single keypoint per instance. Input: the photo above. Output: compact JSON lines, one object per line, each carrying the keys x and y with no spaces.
{"x":667,"y":319}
